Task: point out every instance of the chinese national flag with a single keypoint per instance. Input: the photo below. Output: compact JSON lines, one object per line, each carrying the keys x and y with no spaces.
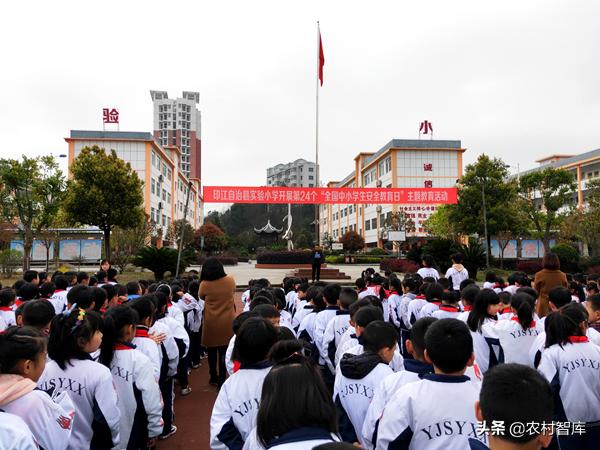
{"x":321,"y":59}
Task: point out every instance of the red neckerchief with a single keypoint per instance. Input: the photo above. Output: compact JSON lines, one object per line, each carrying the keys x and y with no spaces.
{"x":124,"y":346}
{"x":531,"y":325}
{"x":420,"y":297}
{"x":141,"y":332}
{"x":449,"y":308}
{"x":468,"y":307}
{"x":169,"y":305}
{"x":504,"y":311}
{"x":436,"y":303}
{"x":18,"y":302}
{"x":236,"y":366}
{"x":5,"y":308}
{"x":59,"y":290}
{"x":387,"y":293}
{"x":578,"y":339}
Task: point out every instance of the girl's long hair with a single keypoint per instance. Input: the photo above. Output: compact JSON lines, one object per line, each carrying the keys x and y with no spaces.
{"x":114,"y":321}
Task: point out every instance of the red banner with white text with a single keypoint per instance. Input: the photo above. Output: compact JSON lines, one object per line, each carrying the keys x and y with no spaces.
{"x":243,"y":194}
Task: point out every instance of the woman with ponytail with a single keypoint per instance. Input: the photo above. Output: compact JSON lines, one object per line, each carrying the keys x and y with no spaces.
{"x":517,"y":334}
{"x":571,"y":363}
{"x":485,"y":309}
{"x":138,"y":394}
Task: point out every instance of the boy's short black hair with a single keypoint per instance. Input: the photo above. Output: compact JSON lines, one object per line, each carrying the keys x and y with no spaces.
{"x":434,"y":291}
{"x":360,"y":283}
{"x":465,"y":283}
{"x":254,"y":340}
{"x":240,"y":319}
{"x":445,"y":282}
{"x":347,"y":297}
{"x":417,"y":334}
{"x":260,"y":300}
{"x":594,"y":301}
{"x":7,"y":296}
{"x":47,"y":289}
{"x":30,"y":275}
{"x":354,"y":307}
{"x":449,"y":345}
{"x":457,"y":258}
{"x":101,"y":276}
{"x":505,"y":297}
{"x":266,"y":311}
{"x":533,"y":293}
{"x":331,"y":293}
{"x":111,"y":273}
{"x":379,"y":334}
{"x":559,"y":296}
{"x":28,"y":291}
{"x":81,"y":295}
{"x":82,"y":276}
{"x":61,"y":282}
{"x":512,"y":393}
{"x":38,"y":313}
{"x":133,"y":288}
{"x":364,"y":316}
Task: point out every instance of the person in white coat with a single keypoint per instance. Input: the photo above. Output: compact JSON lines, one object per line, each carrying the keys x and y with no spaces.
{"x":457,"y":272}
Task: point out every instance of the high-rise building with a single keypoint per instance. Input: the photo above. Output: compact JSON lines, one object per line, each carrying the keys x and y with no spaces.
{"x":299,"y":173}
{"x":177,"y":122}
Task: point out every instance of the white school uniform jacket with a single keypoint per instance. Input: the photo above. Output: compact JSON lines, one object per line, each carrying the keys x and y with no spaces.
{"x":515,"y":342}
{"x":346,"y":344}
{"x":414,"y":307}
{"x":246,"y":298}
{"x":192,"y":311}
{"x":300,"y":314}
{"x":428,"y":309}
{"x":138,"y":394}
{"x":306,"y":330}
{"x":14,"y":433}
{"x":446,"y":312}
{"x":487,"y":351}
{"x":397,"y":363}
{"x":414,"y":370}
{"x":457,"y":273}
{"x":178,"y":332}
{"x":3,"y":324}
{"x":176,"y":313}
{"x":168,"y":348}
{"x":8,"y":316}
{"x":535,"y":352}
{"x":90,"y":387}
{"x":356,"y":382}
{"x":573,"y":371}
{"x":435,"y":413}
{"x":428,"y":272}
{"x":321,"y":322}
{"x":394,"y":309}
{"x":290,"y":300}
{"x":59,"y":300}
{"x":333,"y":335}
{"x":229,"y":354}
{"x":50,"y":421}
{"x":364,"y":293}
{"x":402,"y":310}
{"x":234,"y":412}
{"x":149,"y":348}
{"x":285,"y":319}
{"x":298,"y":439}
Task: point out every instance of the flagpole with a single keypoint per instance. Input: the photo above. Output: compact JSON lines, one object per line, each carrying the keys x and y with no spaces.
{"x":317,"y":182}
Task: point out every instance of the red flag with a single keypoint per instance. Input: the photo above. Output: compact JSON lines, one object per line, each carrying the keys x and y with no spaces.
{"x":321,"y":59}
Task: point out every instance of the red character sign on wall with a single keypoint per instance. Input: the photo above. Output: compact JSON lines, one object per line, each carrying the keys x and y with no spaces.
{"x":110,"y":115}
{"x":428,"y":167}
{"x":428,"y":184}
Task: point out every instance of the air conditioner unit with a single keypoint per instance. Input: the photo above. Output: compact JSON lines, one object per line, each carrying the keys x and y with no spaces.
{"x":160,"y":206}
{"x":160,"y":178}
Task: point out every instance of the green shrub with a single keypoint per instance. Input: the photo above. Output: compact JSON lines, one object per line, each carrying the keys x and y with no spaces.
{"x":10,"y":260}
{"x":440,"y":249}
{"x":359,"y":259}
{"x":161,"y":260}
{"x":568,"y":256}
{"x":377,"y":251}
{"x":334,"y":259}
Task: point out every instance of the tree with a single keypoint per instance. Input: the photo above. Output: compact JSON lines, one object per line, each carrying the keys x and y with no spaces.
{"x":352,"y":241}
{"x":126,"y":242}
{"x":440,"y":223}
{"x":214,"y":238}
{"x":174,"y":233}
{"x":545,"y":196}
{"x":104,"y":191}
{"x":487,"y":179}
{"x":399,"y":221}
{"x":161,"y":260}
{"x":32,"y":190}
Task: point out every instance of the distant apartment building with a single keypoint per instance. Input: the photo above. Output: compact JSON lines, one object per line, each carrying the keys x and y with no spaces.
{"x":401,"y":163}
{"x":165,"y":186}
{"x":299,"y":173}
{"x":177,"y":122}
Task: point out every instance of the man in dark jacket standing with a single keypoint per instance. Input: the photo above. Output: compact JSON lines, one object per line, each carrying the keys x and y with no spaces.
{"x":317,"y":259}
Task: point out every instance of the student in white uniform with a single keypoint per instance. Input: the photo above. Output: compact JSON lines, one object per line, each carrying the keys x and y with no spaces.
{"x":296,"y":410}
{"x":571,"y":363}
{"x":22,"y":361}
{"x":337,"y":327}
{"x":350,"y":333}
{"x":457,"y":272}
{"x":487,"y":351}
{"x":449,"y":308}
{"x":7,"y":300}
{"x":305,"y":307}
{"x":428,"y":270}
{"x":514,"y":394}
{"x":74,"y":335}
{"x":138,"y":393}
{"x":438,"y":411}
{"x":415,"y":305}
{"x":433,"y":295}
{"x":331,"y":295}
{"x":59,"y":298}
{"x":517,"y":334}
{"x":415,"y":368}
{"x":234,"y":412}
{"x":144,"y":342}
{"x":360,"y":375}
{"x":467,"y":299}
{"x":362,"y":317}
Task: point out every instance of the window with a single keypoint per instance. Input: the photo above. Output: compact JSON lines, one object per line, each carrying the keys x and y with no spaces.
{"x":164,"y":220}
{"x":310,"y":177}
{"x":381,"y":219}
{"x":153,"y":159}
{"x":153,"y":186}
{"x":169,"y":173}
{"x":164,"y":195}
{"x":311,"y":169}
{"x":384,"y":166}
{"x":164,"y":169}
{"x":152,"y":210}
{"x":169,"y":198}
{"x":373,"y":223}
{"x":367,"y":225}
{"x":311,"y":185}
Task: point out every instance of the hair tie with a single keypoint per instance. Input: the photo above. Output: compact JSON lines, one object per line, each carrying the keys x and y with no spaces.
{"x":80,"y":319}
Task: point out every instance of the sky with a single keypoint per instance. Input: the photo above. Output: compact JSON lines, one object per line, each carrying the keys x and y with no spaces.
{"x":514,"y":79}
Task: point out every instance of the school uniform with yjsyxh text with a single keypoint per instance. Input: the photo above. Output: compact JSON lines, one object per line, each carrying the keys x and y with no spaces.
{"x":356,"y":382}
{"x":297,"y":439}
{"x":90,"y":387}
{"x":234,"y":412}
{"x":59,"y":300}
{"x":435,"y":413}
{"x":412,"y":312}
{"x":138,"y":394}
{"x":514,"y":340}
{"x":148,"y":347}
{"x":321,"y":321}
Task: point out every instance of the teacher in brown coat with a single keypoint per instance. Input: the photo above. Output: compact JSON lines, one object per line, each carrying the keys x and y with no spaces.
{"x":217,"y":290}
{"x":547,"y":279}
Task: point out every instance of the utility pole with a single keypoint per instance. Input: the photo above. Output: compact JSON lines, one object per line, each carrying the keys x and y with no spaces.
{"x":485,"y":232}
{"x":185,"y":210}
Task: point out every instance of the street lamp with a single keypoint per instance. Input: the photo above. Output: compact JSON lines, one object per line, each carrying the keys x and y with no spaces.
{"x":485,"y":231}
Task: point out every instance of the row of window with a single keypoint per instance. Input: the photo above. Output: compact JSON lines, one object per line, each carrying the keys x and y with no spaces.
{"x":155,"y":216}
{"x":161,"y":166}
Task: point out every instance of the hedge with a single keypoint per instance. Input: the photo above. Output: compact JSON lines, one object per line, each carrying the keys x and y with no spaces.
{"x":284,"y":258}
{"x":398,"y":265}
{"x":530,"y":267}
{"x":225,"y":260}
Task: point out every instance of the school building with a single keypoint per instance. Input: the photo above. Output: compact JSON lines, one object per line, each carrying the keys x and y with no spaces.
{"x":401,"y":163}
{"x":164,"y":184}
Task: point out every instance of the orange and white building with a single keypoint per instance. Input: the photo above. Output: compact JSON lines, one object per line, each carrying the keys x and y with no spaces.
{"x":401,"y":163}
{"x":164,"y":184}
